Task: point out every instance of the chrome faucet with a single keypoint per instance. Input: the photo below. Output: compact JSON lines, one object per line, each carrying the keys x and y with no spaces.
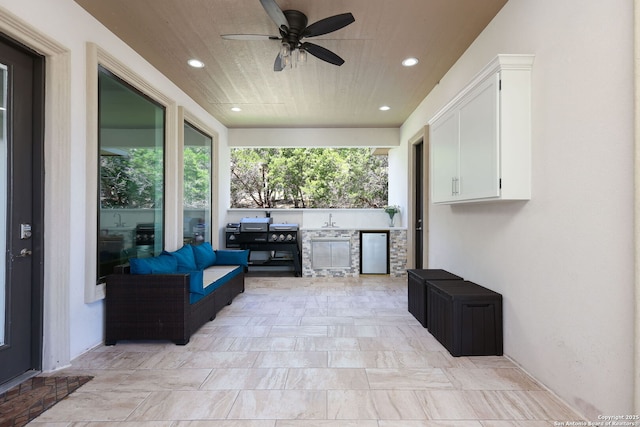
{"x":119,"y":223}
{"x":330,"y":223}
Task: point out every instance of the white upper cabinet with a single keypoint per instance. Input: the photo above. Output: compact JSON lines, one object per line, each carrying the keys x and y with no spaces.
{"x":444,"y":154}
{"x":480,"y":142}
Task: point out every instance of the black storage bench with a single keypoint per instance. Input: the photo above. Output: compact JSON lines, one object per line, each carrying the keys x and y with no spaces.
{"x":417,"y":290}
{"x":465,"y":317}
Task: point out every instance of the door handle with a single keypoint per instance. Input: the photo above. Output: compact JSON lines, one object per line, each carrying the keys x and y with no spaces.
{"x":418,"y":228}
{"x":24,"y":253}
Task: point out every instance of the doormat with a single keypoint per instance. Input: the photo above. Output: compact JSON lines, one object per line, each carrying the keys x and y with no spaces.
{"x":31,"y":398}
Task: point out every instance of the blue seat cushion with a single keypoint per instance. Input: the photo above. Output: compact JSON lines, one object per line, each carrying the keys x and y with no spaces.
{"x":221,"y":281}
{"x":195,"y":297}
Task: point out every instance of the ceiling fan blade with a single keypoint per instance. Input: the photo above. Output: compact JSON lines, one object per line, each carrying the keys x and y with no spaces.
{"x":322,"y":53}
{"x":249,"y":37}
{"x":328,"y":25}
{"x":276,"y":14}
{"x":277,"y":65}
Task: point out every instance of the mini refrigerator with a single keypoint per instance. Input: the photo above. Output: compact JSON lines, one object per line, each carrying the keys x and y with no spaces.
{"x":374,"y":252}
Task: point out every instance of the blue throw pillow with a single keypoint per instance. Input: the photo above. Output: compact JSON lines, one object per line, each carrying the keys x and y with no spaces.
{"x":204,"y":255}
{"x":232,"y":257}
{"x":185,"y":258}
{"x":162,"y":264}
{"x":140,"y":266}
{"x":195,"y":282}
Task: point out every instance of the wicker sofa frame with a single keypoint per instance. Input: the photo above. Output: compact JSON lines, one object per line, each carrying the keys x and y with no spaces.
{"x":156,"y":306}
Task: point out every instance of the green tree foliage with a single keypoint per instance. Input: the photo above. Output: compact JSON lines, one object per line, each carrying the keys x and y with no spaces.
{"x":260,"y":178}
{"x":136,"y":180}
{"x":197,"y":177}
{"x":308,"y":178}
{"x":249,"y":177}
{"x":132,"y":181}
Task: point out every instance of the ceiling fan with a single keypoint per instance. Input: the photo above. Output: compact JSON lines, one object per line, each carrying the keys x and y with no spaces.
{"x":292,"y":25}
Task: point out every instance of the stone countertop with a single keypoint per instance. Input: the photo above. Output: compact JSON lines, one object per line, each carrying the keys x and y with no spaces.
{"x":351,"y":228}
{"x":310,"y":235}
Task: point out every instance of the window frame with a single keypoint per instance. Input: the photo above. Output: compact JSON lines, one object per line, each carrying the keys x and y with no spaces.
{"x":108,"y":74}
{"x":186,"y":117}
{"x":96,"y":57}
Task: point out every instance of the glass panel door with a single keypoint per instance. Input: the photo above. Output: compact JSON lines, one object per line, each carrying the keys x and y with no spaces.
{"x":3,"y":199}
{"x":21,"y":225}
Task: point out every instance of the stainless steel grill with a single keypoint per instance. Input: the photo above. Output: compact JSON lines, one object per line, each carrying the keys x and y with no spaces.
{"x":259,"y":234}
{"x":260,"y":230}
{"x":255,"y":225}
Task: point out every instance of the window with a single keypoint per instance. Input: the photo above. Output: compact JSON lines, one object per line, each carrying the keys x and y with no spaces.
{"x":197,"y":185}
{"x":308,"y":178}
{"x":131,"y":173}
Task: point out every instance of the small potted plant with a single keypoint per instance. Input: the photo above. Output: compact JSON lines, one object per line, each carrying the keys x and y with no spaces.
{"x":392,"y":210}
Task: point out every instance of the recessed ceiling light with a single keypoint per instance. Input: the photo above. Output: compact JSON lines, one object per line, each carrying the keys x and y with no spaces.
{"x":385,"y":108}
{"x":236,"y":109}
{"x":195,"y":63}
{"x":410,"y":62}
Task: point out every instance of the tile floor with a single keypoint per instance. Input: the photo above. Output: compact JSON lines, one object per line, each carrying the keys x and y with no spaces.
{"x":298,"y":352}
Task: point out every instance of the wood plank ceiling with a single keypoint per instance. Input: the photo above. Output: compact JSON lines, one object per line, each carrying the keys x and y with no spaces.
{"x":240,"y":73}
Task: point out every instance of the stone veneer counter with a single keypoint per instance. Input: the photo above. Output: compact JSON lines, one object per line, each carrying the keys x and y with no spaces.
{"x":397,"y":250}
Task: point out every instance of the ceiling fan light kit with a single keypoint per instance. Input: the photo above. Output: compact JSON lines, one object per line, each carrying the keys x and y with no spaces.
{"x":292,"y":26}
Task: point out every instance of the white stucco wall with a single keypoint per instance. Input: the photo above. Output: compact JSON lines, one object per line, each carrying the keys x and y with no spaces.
{"x":563,"y":260}
{"x":69,"y":25}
